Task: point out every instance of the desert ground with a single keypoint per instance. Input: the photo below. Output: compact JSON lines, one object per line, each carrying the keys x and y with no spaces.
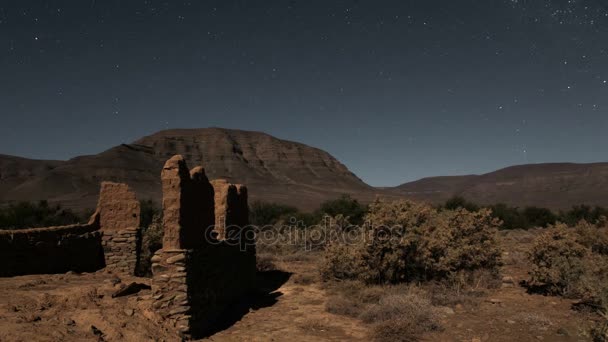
{"x":290,"y":304}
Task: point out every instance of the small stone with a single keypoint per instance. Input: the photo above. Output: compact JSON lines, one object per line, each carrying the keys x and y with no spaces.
{"x":508,"y":280}
{"x":510,"y":321}
{"x":179,"y":310}
{"x":129,"y":312}
{"x":177,"y":258}
{"x":495,"y":301}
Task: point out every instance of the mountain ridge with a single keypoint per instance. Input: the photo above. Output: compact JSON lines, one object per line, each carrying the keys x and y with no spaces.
{"x":284,"y":171}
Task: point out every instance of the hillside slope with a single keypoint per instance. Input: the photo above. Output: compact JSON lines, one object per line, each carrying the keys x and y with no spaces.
{"x":554,"y":185}
{"x":275,"y":170}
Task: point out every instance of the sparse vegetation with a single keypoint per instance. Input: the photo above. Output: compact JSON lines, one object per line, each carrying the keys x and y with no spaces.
{"x":414,"y":242}
{"x":24,"y":215}
{"x":152,"y":240}
{"x":572,"y":262}
{"x":532,"y":217}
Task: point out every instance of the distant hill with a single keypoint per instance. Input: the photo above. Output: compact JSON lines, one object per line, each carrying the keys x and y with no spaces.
{"x":274,"y":170}
{"x":282,"y":171}
{"x":556,"y":186}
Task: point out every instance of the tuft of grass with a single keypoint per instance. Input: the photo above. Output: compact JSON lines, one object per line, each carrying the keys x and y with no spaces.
{"x":266,"y":263}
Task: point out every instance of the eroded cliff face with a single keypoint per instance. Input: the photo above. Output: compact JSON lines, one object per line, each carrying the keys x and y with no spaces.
{"x":275,"y":170}
{"x":252,"y":157}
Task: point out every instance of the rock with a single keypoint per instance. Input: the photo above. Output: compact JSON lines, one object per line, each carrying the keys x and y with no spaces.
{"x":130,"y":289}
{"x":511,"y":321}
{"x":155,"y":259}
{"x":508,"y":280}
{"x":175,"y":259}
{"x":129,"y":312}
{"x":495,"y":301}
{"x":446,"y":310}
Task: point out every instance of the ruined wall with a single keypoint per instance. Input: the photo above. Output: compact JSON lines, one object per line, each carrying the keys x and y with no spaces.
{"x":119,"y":212}
{"x":231,"y":210}
{"x":195,"y":276}
{"x":51,"y":250}
{"x":187,"y":205}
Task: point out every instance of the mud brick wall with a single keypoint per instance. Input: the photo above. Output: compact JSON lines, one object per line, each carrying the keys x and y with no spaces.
{"x":232,"y":213}
{"x":120,"y":212}
{"x":196,"y":277}
{"x":51,"y":250}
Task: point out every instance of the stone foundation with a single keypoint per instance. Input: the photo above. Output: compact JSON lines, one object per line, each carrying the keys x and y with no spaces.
{"x":197,"y":277}
{"x":121,"y":249}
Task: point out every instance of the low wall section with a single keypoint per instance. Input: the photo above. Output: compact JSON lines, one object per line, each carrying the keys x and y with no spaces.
{"x":51,"y":250}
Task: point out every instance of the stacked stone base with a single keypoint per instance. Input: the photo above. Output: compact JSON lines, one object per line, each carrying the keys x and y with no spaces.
{"x":193,"y":288}
{"x":121,"y":250}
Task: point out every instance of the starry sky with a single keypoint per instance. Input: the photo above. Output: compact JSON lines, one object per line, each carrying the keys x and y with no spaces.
{"x":395,"y":89}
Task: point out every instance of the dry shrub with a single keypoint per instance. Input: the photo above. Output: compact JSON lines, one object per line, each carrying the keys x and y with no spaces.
{"x":410,"y":241}
{"x":304,"y":279}
{"x":151,"y":241}
{"x":465,"y":288}
{"x":396,"y":312}
{"x":571,"y":262}
{"x":350,"y":298}
{"x":534,"y":320}
{"x":266,"y":263}
{"x":341,"y":262}
{"x":401,"y":317}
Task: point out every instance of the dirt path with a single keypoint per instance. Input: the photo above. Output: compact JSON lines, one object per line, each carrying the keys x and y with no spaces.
{"x":298,"y":315}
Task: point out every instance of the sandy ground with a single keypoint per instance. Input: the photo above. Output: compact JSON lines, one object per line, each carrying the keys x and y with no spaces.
{"x":79,"y":307}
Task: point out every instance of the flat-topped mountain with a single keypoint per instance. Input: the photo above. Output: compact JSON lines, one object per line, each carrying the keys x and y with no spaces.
{"x":274,"y":170}
{"x":554,"y":185}
{"x":282,"y":171}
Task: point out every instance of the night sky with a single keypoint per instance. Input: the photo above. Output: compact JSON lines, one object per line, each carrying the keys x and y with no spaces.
{"x":396,"y":90}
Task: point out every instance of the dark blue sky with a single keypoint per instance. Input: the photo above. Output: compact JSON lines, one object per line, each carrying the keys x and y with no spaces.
{"x":397,"y":90}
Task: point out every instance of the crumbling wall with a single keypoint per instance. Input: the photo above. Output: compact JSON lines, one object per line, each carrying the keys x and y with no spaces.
{"x":51,"y":250}
{"x":195,"y":276}
{"x":119,"y":212}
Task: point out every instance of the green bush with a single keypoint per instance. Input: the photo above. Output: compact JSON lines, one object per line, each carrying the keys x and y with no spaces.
{"x":35,"y":215}
{"x":458,"y":202}
{"x":266,"y":214}
{"x":345,"y":206}
{"x":152,"y":240}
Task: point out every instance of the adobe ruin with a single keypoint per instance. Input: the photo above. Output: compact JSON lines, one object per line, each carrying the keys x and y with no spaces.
{"x":195,"y":274}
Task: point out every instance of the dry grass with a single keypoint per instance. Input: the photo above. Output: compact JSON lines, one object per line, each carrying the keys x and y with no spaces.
{"x":266,"y":262}
{"x":305,"y":279}
{"x":396,"y":313}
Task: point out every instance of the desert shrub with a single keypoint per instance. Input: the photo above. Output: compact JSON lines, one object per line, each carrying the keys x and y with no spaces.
{"x":583,"y":213}
{"x":341,"y":262}
{"x":538,"y":217}
{"x":458,"y":202}
{"x":35,"y":215}
{"x":151,"y":241}
{"x":464,"y":288}
{"x":401,"y":317}
{"x":511,"y":217}
{"x":267,"y":214}
{"x":149,"y":210}
{"x":411,"y":241}
{"x":572,"y":262}
{"x":345,"y":206}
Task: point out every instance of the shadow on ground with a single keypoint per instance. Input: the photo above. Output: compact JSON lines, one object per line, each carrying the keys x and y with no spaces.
{"x":264,"y":295}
